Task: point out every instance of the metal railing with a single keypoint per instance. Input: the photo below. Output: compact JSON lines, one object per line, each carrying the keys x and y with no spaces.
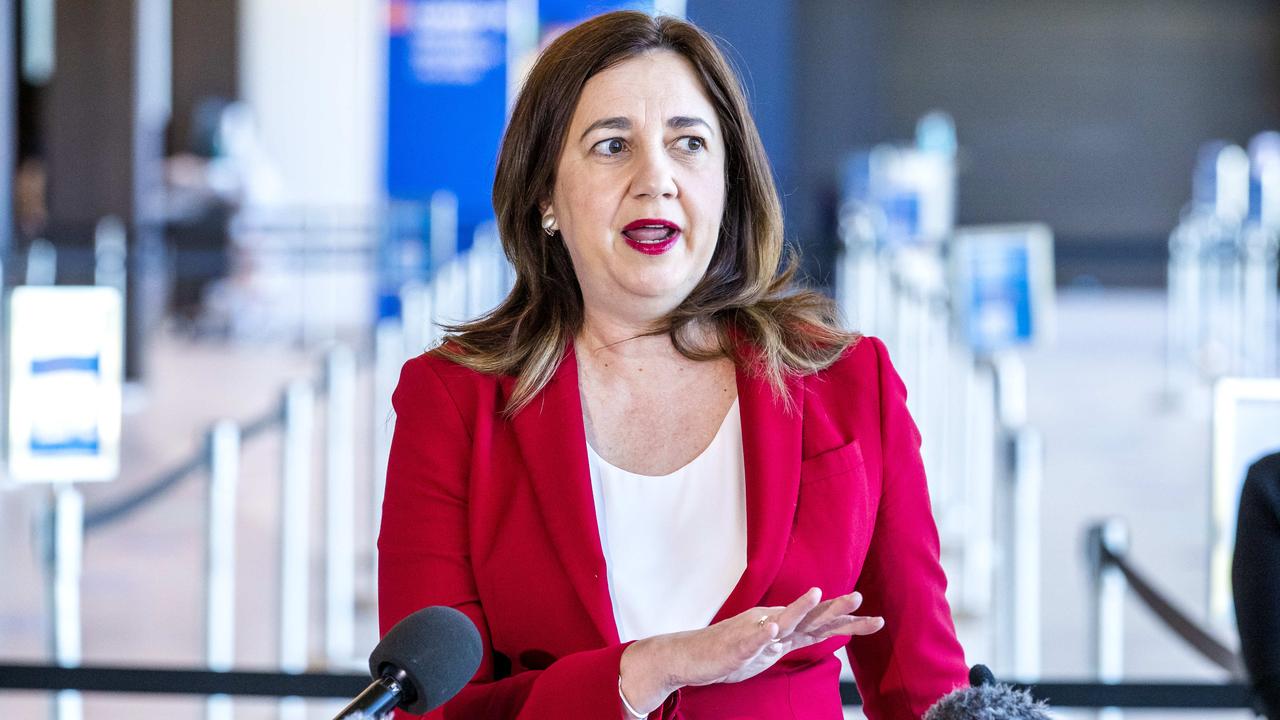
{"x":1111,"y":575}
{"x":168,"y":681}
{"x":1222,"y":275}
{"x":461,"y":287}
{"x":983,"y":460}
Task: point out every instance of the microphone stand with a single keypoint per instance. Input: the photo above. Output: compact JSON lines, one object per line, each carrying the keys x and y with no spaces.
{"x":379,"y":699}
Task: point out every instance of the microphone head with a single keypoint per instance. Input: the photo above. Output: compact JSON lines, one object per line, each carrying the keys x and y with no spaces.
{"x":988,"y":702}
{"x":980,"y":675}
{"x":439,"y":650}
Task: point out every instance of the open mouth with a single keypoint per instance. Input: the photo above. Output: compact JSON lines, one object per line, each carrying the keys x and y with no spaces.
{"x":650,"y":231}
{"x":651,"y":236}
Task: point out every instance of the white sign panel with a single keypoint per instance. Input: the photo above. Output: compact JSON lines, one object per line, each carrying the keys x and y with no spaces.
{"x":1002,"y":285}
{"x":1246,"y":427}
{"x":65,"y":375}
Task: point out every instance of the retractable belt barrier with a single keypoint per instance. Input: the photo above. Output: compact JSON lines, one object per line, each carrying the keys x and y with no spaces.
{"x":1169,"y":614}
{"x":1149,"y":695}
{"x":123,"y":507}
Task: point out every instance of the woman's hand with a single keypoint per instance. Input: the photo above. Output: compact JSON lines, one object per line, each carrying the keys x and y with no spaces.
{"x":750,"y":643}
{"x":738,"y":648}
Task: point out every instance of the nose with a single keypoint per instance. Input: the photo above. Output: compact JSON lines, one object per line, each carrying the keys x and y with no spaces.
{"x":653,"y":176}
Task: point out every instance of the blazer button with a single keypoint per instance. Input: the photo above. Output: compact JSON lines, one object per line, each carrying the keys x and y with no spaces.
{"x":536,"y":659}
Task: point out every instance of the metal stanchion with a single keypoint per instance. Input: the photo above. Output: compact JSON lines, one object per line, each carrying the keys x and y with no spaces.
{"x":444,"y":228}
{"x":415,"y":318}
{"x":389,"y":351}
{"x":478,"y":278}
{"x":1017,"y":515}
{"x":1011,"y":389}
{"x":979,"y":488}
{"x":340,"y":467}
{"x":1259,"y":306}
{"x":65,"y":562}
{"x":220,"y":559}
{"x":109,"y":253}
{"x":449,"y":293}
{"x":42,"y":263}
{"x":1028,"y":462}
{"x":1207,"y":334}
{"x":857,"y":280}
{"x":295,"y":507}
{"x":934,"y":349}
{"x":1107,"y":605}
{"x":1182,"y":311}
{"x":1221,"y":329}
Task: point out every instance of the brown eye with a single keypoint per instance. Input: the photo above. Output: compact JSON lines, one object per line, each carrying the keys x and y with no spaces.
{"x":693,"y":144}
{"x":610,"y":147}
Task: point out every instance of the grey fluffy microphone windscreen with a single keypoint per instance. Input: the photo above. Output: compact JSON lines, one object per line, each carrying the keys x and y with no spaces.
{"x":987,"y":700}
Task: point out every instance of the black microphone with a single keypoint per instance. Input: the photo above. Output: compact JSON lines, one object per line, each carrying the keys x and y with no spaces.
{"x":986,"y":699}
{"x":420,"y":663}
{"x":980,"y":675}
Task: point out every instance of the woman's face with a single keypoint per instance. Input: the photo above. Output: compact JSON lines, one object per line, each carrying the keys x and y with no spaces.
{"x":640,"y":186}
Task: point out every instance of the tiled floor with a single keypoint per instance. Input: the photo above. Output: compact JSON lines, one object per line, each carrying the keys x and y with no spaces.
{"x":1113,"y":447}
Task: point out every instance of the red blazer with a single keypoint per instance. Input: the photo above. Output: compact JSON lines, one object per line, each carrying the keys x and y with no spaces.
{"x":495,"y":518}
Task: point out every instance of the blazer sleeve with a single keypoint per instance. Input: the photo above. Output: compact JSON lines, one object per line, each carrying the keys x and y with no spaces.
{"x":423,"y":560}
{"x":915,"y":658}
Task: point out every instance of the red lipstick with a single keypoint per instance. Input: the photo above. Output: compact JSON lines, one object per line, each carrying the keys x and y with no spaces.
{"x":651,"y":236}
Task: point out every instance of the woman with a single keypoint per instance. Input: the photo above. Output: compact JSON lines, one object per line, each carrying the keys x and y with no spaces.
{"x":658,"y":479}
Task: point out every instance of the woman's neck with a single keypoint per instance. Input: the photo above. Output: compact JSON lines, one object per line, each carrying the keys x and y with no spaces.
{"x":606,"y":335}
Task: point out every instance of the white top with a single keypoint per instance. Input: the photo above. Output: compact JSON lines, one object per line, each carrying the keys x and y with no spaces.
{"x":675,"y":545}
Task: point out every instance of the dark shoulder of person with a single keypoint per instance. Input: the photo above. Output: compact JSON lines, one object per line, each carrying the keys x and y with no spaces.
{"x":1256,"y":580}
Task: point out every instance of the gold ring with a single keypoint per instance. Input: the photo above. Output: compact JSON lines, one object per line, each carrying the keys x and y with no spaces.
{"x":764,"y":620}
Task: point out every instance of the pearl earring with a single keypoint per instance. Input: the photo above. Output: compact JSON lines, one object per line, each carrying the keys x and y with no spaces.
{"x":549,"y":224}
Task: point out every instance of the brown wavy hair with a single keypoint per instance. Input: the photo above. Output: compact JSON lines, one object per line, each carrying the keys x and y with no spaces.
{"x":747,"y":293}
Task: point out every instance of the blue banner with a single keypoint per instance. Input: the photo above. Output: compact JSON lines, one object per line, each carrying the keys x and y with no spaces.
{"x":446,"y":102}
{"x":447,"y":85}
{"x":555,"y":16}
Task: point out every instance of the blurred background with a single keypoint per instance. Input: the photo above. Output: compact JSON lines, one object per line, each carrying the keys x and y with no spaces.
{"x":226,"y":223}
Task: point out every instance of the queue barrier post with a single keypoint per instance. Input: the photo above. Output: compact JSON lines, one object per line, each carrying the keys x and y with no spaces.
{"x":340,"y":412}
{"x":65,"y":564}
{"x":220,"y":560}
{"x":1106,"y":604}
{"x":295,"y":506}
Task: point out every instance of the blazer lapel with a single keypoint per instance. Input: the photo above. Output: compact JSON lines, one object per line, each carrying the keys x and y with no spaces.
{"x":771,"y":462}
{"x":553,"y":443}
{"x":552,"y":440}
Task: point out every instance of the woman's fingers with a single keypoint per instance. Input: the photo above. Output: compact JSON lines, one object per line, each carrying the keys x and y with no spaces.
{"x":850,"y":625}
{"x":792,"y":614}
{"x":828,"y":609}
{"x":764,"y":628}
{"x":749,"y":643}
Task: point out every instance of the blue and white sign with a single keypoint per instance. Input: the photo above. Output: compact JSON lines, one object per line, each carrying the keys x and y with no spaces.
{"x":446,"y":102}
{"x":447,"y":79}
{"x":910,"y":190}
{"x":65,"y":383}
{"x":1002,"y":285}
{"x":557,"y":16}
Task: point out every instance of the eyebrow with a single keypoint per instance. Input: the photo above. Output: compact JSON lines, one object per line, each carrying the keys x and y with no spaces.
{"x":682,"y":122}
{"x":679,"y":122}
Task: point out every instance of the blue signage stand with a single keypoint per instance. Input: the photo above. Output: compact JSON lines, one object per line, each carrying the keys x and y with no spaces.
{"x":448,"y":81}
{"x":1002,"y":285}
{"x":446,"y":109}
